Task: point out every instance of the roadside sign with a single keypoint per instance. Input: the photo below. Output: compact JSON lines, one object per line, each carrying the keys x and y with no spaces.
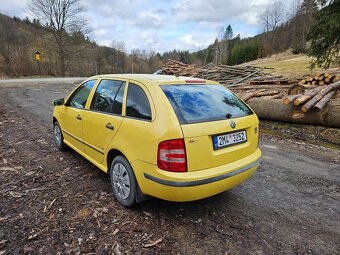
{"x":37,"y":56}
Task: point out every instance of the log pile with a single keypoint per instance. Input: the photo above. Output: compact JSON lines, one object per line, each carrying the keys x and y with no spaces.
{"x":226,"y":75}
{"x":321,"y":79}
{"x":273,"y":109}
{"x":267,"y":88}
{"x":173,"y":67}
{"x":252,"y":83}
{"x":315,"y":98}
{"x":233,"y":75}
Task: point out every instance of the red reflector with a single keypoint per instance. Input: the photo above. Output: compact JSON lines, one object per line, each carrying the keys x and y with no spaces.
{"x":171,"y":156}
{"x":195,"y":81}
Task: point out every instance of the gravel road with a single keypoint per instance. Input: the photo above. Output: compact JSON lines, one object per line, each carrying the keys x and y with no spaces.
{"x":290,"y":206}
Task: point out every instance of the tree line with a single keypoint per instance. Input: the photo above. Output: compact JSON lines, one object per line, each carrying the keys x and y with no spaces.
{"x":19,"y":39}
{"x":308,"y":26}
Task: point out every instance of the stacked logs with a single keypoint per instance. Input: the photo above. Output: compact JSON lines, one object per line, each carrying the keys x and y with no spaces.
{"x":315,"y":98}
{"x":173,"y":67}
{"x":232,"y":75}
{"x":246,"y":81}
{"x":268,"y":88}
{"x":226,"y":75}
{"x":250,"y":82}
{"x":268,"y":94}
{"x":321,"y":79}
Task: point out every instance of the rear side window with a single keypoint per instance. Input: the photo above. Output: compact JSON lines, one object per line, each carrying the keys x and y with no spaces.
{"x":105,"y":94}
{"x":202,"y":103}
{"x":137,"y":104}
{"x":118,"y":102}
{"x":79,"y":98}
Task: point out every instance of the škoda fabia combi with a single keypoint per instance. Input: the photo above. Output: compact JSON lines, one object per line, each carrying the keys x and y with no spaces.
{"x":175,"y":138}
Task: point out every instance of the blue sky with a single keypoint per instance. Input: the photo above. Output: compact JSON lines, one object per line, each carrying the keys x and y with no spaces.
{"x":162,"y":25}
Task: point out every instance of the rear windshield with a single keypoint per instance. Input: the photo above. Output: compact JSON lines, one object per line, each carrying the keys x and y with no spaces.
{"x":202,"y":103}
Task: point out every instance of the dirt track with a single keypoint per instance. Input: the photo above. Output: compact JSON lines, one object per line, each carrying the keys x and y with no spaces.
{"x":290,"y":206}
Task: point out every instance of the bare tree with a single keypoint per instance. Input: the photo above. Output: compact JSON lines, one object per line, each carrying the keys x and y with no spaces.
{"x":61,"y":17}
{"x":302,"y":17}
{"x":219,"y":50}
{"x":271,"y":19}
{"x":306,"y":13}
{"x":294,"y":8}
{"x":119,"y":55}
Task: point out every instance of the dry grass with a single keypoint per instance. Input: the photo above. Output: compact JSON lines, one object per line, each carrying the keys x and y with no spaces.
{"x":286,"y":64}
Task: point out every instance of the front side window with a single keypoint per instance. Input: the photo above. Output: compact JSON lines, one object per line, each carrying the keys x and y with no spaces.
{"x":202,"y":103}
{"x":105,"y":95}
{"x":137,"y":103}
{"x":79,"y":98}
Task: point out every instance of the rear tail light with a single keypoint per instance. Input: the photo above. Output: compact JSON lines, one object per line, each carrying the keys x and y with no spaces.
{"x":171,"y":156}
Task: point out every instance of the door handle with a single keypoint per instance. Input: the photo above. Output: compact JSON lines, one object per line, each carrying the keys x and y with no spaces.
{"x":78,"y":117}
{"x":109,"y":126}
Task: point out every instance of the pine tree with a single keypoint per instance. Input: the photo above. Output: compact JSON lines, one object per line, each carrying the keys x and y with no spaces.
{"x":228,"y":34}
{"x":224,"y":47}
{"x":325,"y":35}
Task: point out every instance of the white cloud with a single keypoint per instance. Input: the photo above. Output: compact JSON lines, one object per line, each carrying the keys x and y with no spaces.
{"x":219,"y":10}
{"x":148,"y":19}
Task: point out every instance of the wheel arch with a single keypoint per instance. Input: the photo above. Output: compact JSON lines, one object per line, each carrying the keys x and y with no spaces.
{"x":111,"y":155}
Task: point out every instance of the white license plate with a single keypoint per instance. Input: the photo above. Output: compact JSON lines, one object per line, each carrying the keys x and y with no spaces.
{"x":224,"y":140}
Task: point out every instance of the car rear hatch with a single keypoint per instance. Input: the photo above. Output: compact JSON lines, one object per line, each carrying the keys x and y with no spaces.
{"x":218,"y":128}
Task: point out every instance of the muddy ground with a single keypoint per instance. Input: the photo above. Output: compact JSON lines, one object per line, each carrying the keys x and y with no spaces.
{"x":55,"y":202}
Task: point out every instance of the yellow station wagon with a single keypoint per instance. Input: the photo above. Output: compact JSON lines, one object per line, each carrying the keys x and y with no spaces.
{"x":175,"y":138}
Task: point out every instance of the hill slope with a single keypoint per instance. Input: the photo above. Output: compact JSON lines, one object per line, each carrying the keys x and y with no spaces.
{"x":286,"y":64}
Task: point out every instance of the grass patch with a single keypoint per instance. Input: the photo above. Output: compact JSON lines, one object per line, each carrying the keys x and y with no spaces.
{"x":286,"y":64}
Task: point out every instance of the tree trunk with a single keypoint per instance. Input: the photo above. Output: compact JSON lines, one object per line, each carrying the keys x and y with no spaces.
{"x":61,"y":52}
{"x":307,"y":95}
{"x":324,"y":100}
{"x":61,"y":61}
{"x":248,"y":96}
{"x":320,"y":95}
{"x":273,"y":109}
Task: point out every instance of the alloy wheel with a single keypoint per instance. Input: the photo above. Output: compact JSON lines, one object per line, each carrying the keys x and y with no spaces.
{"x":121,"y":181}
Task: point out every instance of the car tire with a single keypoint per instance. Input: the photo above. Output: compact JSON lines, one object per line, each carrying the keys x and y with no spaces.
{"x":58,"y":137}
{"x":123,"y":181}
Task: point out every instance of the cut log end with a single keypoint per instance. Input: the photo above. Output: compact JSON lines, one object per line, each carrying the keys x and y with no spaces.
{"x":304,"y":108}
{"x":286,"y":101}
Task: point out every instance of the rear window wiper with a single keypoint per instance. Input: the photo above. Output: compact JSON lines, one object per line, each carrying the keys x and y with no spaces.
{"x":228,"y":115}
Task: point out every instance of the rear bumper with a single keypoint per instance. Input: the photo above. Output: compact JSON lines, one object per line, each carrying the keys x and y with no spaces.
{"x":197,"y":184}
{"x":204,"y":181}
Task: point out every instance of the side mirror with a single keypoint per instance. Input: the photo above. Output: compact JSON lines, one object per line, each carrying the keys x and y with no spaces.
{"x":59,"y":101}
